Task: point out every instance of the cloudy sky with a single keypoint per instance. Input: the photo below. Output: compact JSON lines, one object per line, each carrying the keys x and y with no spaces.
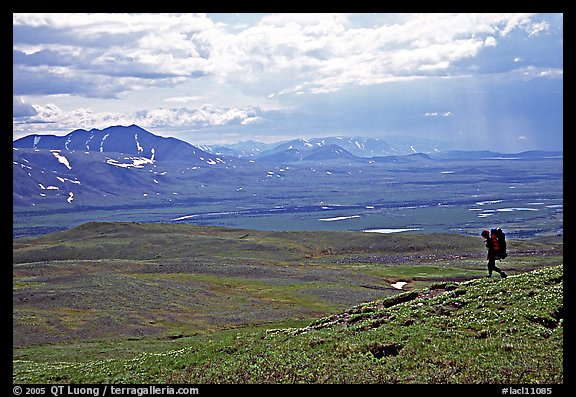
{"x":223,"y":78}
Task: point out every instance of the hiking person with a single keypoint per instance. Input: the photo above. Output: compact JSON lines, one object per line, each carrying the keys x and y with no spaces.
{"x":492,"y":254}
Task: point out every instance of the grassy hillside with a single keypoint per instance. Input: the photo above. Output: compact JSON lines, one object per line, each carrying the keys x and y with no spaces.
{"x":127,"y":240}
{"x":128,"y":302}
{"x":479,"y":331}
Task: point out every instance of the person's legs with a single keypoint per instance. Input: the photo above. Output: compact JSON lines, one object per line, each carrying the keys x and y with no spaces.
{"x":492,"y":267}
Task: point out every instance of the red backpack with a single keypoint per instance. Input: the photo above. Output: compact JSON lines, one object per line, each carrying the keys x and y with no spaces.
{"x":495,"y":244}
{"x":499,"y":243}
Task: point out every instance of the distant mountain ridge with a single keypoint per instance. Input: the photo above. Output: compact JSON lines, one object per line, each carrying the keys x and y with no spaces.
{"x":136,"y":141}
{"x":356,"y":146}
{"x":127,"y":165}
{"x":131,"y":140}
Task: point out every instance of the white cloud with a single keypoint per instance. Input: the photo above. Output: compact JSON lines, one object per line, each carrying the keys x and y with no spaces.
{"x":21,"y":108}
{"x":52,"y":119}
{"x":438,"y":114}
{"x":302,"y":71}
{"x":535,"y":28}
{"x":490,"y":41}
{"x":252,"y":120}
{"x":85,"y":26}
{"x":551,"y":73}
{"x":119,"y":52}
{"x":531,"y":72}
{"x":182,"y":99}
{"x":103,"y":55}
{"x":326,"y":54}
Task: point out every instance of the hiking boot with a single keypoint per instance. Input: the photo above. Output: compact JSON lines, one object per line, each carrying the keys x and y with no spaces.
{"x":503,"y":275}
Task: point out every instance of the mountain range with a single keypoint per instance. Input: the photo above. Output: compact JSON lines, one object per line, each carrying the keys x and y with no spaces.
{"x":132,"y":140}
{"x":120,"y":164}
{"x":116,"y":163}
{"x":300,"y":149}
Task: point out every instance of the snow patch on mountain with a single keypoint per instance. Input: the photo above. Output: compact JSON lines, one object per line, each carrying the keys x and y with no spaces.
{"x":135,"y":162}
{"x":138,"y":147}
{"x":88,"y":141}
{"x":69,"y":180}
{"x":61,"y":158}
{"x":102,"y":142}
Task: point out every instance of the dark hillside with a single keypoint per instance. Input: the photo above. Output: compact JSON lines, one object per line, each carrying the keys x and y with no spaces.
{"x":100,"y":240}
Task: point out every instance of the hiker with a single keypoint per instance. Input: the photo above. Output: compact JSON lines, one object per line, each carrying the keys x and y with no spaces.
{"x":492,"y":254}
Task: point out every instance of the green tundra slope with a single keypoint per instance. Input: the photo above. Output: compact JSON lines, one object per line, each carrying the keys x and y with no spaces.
{"x":479,"y":331}
{"x":149,"y":303}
